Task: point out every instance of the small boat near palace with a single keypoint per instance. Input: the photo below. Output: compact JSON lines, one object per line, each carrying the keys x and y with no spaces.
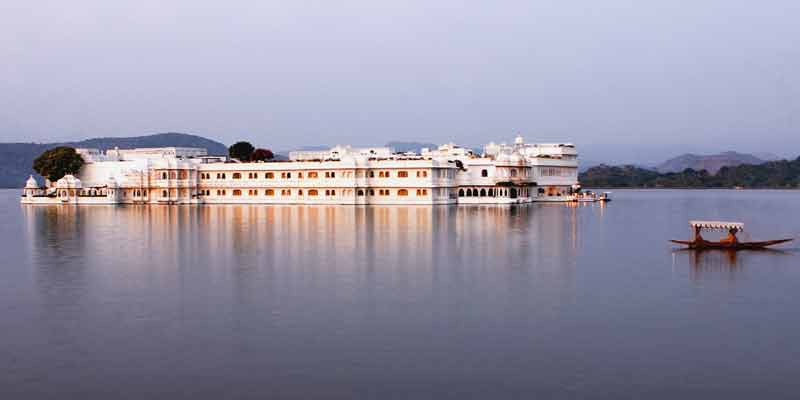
{"x":591,"y":197}
{"x":730,"y":242}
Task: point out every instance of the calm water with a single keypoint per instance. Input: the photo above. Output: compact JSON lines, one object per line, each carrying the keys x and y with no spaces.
{"x":303,"y":302}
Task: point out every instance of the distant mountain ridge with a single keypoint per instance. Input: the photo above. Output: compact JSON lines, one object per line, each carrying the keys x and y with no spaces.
{"x":711,"y":163}
{"x":16,"y":158}
{"x":780,"y":174}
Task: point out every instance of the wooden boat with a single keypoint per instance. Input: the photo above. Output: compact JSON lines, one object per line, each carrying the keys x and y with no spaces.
{"x":731,"y":242}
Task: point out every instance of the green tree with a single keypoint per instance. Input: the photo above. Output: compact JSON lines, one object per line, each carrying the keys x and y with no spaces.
{"x":53,"y":164}
{"x":241,"y":151}
{"x":262,"y":155}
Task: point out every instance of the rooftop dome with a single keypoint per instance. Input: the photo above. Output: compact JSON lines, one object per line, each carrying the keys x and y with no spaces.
{"x":503,"y":157}
{"x":31,"y":183}
{"x":69,"y":182}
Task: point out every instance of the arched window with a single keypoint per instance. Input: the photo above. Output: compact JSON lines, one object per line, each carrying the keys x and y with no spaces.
{"x":402,"y":174}
{"x":327,"y":193}
{"x":483,"y":192}
{"x":513,"y":172}
{"x":460,"y":192}
{"x":360,"y":192}
{"x":491,"y":192}
{"x":372,"y":192}
{"x":402,"y":192}
{"x":269,"y":175}
{"x":484,"y":173}
{"x":163,"y":175}
{"x":164,"y":193}
{"x":333,"y":192}
{"x":469,"y":192}
{"x":237,"y":175}
{"x":313,"y":192}
{"x":300,"y":192}
{"x":237,"y":192}
{"x":269,"y":192}
{"x":371,"y":174}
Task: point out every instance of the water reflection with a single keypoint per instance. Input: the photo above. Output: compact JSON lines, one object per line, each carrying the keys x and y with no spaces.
{"x":314,"y":301}
{"x":360,"y":247}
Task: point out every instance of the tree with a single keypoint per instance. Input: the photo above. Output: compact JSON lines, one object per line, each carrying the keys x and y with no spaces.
{"x":241,"y":151}
{"x":53,"y":164}
{"x":262,"y":155}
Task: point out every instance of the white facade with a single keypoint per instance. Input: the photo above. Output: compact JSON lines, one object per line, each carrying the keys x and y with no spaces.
{"x":504,"y":174}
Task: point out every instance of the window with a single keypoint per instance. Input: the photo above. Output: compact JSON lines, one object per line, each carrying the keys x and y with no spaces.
{"x":313,"y":174}
{"x":403,"y":174}
{"x":269,"y":192}
{"x":372,"y":192}
{"x":182,"y":174}
{"x":313,"y":192}
{"x":484,"y":173}
{"x":299,"y":175}
{"x":333,"y":192}
{"x":371,"y":174}
{"x":237,"y":175}
{"x":360,"y":192}
{"x":163,"y":175}
{"x":172,"y":175}
{"x":286,"y":192}
{"x":164,"y":193}
{"x":422,"y":192}
{"x":402,"y":192}
{"x":237,"y":192}
{"x":513,"y":172}
{"x":483,"y":192}
{"x":422,"y":174}
{"x":300,"y":192}
{"x":269,"y":175}
{"x":286,"y":175}
{"x":460,"y":192}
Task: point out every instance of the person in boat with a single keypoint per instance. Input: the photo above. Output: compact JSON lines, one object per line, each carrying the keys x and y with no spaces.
{"x":731,"y":238}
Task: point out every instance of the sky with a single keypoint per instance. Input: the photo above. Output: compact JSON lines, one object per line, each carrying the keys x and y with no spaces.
{"x":625,"y":80}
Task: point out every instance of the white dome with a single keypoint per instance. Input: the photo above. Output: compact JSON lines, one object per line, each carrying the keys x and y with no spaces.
{"x":503,"y":157}
{"x":515,"y":158}
{"x":69,"y":182}
{"x":31,"y":183}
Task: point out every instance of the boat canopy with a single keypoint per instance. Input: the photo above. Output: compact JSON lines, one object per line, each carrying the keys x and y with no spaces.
{"x":717,"y":225}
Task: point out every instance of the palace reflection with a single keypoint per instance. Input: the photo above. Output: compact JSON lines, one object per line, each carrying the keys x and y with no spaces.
{"x":274,"y":248}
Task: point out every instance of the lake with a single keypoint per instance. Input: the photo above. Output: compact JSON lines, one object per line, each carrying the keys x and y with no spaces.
{"x":340,"y":302}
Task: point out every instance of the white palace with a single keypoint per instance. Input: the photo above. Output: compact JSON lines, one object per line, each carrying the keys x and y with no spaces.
{"x":502,"y":174}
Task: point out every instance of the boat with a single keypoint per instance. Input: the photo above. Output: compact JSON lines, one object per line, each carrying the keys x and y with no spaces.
{"x":730,"y":242}
{"x":591,"y":197}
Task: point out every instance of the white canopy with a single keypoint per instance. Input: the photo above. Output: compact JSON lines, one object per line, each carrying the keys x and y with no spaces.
{"x":718,"y":225}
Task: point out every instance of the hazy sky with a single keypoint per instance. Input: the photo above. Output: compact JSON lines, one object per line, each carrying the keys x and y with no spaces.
{"x":624,"y":79}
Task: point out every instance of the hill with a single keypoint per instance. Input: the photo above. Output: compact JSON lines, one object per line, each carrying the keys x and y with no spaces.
{"x":16,"y":158}
{"x":711,"y":163}
{"x":771,"y":174}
